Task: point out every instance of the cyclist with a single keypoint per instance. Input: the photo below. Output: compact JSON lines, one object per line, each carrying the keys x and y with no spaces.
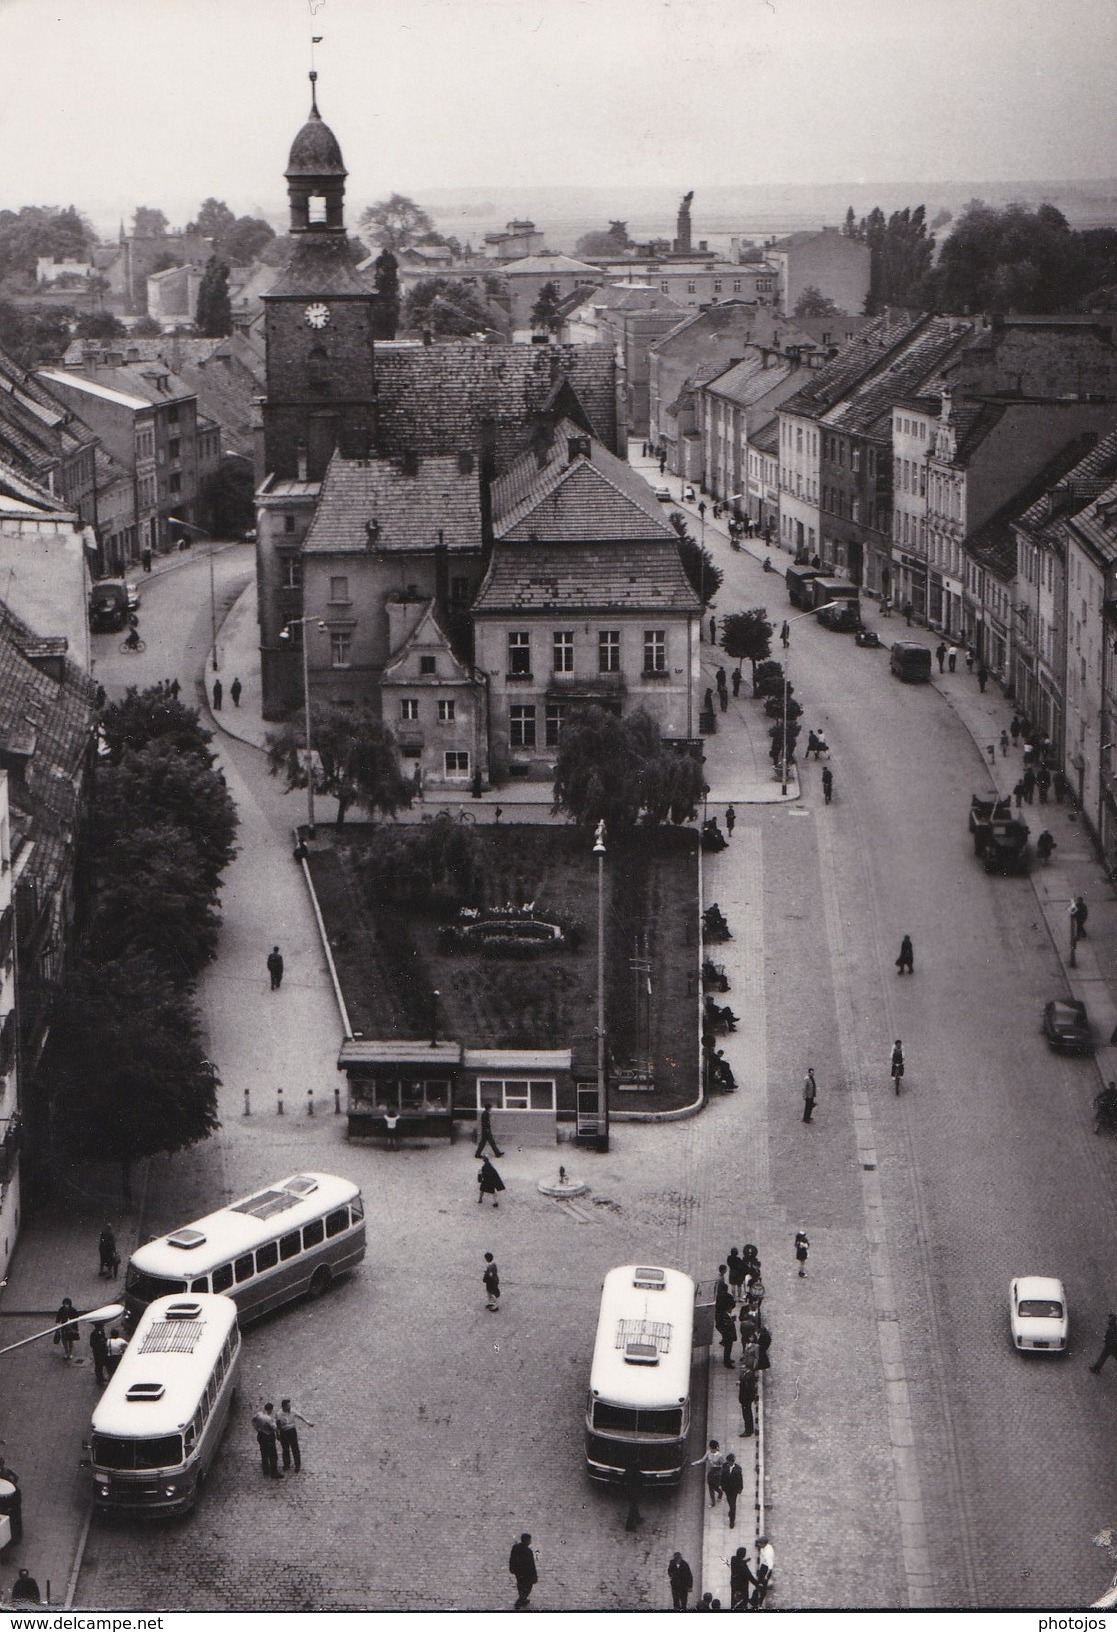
{"x":132,"y":639}
{"x":897,"y":1063}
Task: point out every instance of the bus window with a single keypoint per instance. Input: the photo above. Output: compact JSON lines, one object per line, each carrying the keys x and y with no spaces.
{"x":290,"y":1246}
{"x":336,"y":1222}
{"x":313,"y":1233}
{"x":244,"y":1268}
{"x":267,"y":1257}
{"x":223,"y":1278}
{"x":201,"y":1284}
{"x":357,"y":1210}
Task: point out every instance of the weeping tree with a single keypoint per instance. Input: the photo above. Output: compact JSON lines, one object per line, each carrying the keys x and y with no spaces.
{"x":360,"y":763}
{"x":617,"y":769}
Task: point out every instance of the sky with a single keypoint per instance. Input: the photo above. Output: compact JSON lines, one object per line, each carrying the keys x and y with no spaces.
{"x":112,"y":103}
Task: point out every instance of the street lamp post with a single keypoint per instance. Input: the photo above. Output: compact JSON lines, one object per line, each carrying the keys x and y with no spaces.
{"x":787,"y":689}
{"x":285,"y":634}
{"x":111,"y":1311}
{"x":602,"y":1085}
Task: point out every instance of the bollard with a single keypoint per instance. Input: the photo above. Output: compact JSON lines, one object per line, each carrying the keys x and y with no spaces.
{"x":310,"y":1102}
{"x":279,"y":1102}
{"x":247,"y":1104}
{"x":337,"y":1101}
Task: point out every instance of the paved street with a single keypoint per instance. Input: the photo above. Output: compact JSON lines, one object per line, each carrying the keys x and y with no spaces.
{"x":901,"y":1428}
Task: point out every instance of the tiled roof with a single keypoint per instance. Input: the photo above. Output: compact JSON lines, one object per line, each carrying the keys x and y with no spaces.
{"x":1096,"y":522}
{"x":412,"y":511}
{"x":51,"y":723}
{"x":994,"y":542}
{"x":913,"y":363}
{"x":435,"y":399}
{"x":536,"y":264}
{"x":551,"y":497}
{"x":133,"y":388}
{"x":1077,"y":488}
{"x":854,"y":362}
{"x":767,"y":438}
{"x":748,"y":381}
{"x":628,"y":297}
{"x":638,"y":577}
{"x":704,"y":337}
{"x":31,"y":498}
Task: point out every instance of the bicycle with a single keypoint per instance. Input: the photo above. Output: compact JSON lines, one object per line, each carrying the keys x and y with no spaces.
{"x":132,"y":647}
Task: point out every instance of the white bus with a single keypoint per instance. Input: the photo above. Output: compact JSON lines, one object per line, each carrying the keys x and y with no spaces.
{"x":638,"y":1407}
{"x":294,"y":1237}
{"x":160,"y":1420}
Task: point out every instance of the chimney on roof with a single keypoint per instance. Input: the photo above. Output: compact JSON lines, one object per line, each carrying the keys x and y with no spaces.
{"x":300,"y":457}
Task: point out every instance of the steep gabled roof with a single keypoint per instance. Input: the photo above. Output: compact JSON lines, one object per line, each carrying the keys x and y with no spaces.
{"x":426,"y":633}
{"x":917,"y":358}
{"x":993,"y":544}
{"x":584,"y":578}
{"x":559,"y":264}
{"x":1080,"y":486}
{"x":748,"y":381}
{"x":551,"y":496}
{"x":855,"y":362}
{"x":439,"y":504}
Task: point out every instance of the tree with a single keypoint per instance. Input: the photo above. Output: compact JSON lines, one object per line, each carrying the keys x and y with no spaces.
{"x":126,"y":1067}
{"x":246,"y":240}
{"x":214,"y":220}
{"x":386,"y":314}
{"x":902,"y":251}
{"x":813,"y":303}
{"x":360,"y":760}
{"x":703,"y":575}
{"x":148,"y":223}
{"x":155,"y":897}
{"x":35,"y":335}
{"x":100,"y":326}
{"x":604,"y":246}
{"x":160,"y":784}
{"x":141,"y":717}
{"x":447,"y":307}
{"x":545,"y":314}
{"x":36,"y":230}
{"x":747,"y":635}
{"x":214,"y":314}
{"x":394,"y":223}
{"x":616,"y":769}
{"x":230,"y":497}
{"x":1019,"y":260}
{"x":146,"y":328}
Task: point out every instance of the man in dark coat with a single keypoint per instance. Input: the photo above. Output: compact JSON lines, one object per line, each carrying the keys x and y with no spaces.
{"x":732,"y":1483}
{"x":681,"y":1577}
{"x":490,"y":1279}
{"x":741,"y":1579}
{"x":521,"y":1564}
{"x":218,"y":693}
{"x":487,"y":1132}
{"x":489,"y":1182}
{"x":99,"y":1344}
{"x":275,"y":968}
{"x":235,"y":690}
{"x":106,"y":1250}
{"x":906,"y":961}
{"x":746,"y":1396}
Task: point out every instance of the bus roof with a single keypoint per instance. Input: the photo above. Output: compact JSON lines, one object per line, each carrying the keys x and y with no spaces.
{"x":196,"y":1248}
{"x":163,"y":1372}
{"x":642,"y":1353}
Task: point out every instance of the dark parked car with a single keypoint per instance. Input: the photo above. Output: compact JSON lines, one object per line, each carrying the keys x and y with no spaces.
{"x":1066,"y":1025}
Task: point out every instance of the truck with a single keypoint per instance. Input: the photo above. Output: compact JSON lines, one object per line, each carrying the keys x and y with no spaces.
{"x":800,"y":577}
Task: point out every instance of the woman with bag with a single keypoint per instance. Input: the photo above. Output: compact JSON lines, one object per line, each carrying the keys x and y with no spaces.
{"x":67,"y":1328}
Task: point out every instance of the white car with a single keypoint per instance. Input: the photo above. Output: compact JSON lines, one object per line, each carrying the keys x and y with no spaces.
{"x":1038,"y":1312}
{"x":663,"y":494}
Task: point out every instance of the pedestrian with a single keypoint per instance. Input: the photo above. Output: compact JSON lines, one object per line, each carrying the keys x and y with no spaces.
{"x":391,"y":1127}
{"x":1029,"y":785}
{"x":763,"y":1344}
{"x":741,"y":1579}
{"x":747,"y":1388}
{"x":724,"y":1299}
{"x":702,"y":508}
{"x":681,"y":1577}
{"x":969,"y":659}
{"x":235,"y":690}
{"x":66,"y":1332}
{"x":490,"y":1280}
{"x":735,"y":682}
{"x":662,"y":463}
{"x":267,"y":1430}
{"x":1018,"y":793}
{"x":940,"y":654}
{"x":1014,"y":729}
{"x":106,"y":1249}
{"x":643,"y":450}
{"x":117,"y":1346}
{"x":1108,"y":1346}
{"x":1061,"y":785}
{"x":521,"y":1564}
{"x":727,"y":1334}
{"x":765,"y":1569}
{"x":1079,"y":912}
{"x":706,"y":1601}
{"x":714,"y":1461}
{"x":908,"y":612}
{"x":486,"y":1132}
{"x":289,"y":1434}
{"x":723,"y":697}
{"x":713,"y":631}
{"x":1043,"y":783}
{"x":1004,"y":743}
{"x":810,"y":1094}
{"x":632,"y":1483}
{"x":732,"y":1483}
{"x":489,"y":1182}
{"x":952,"y":659}
{"x":175,"y":688}
{"x":735,"y":1269}
{"x":827,"y":783}
{"x":785,"y":634}
{"x":750,"y":1353}
{"x":802,"y":1247}
{"x":982,"y":675}
{"x":730,"y":819}
{"x":146,"y":559}
{"x":906,"y":961}
{"x":99,"y":1347}
{"x":25,"y":1589}
{"x":275,"y":968}
{"x":896,"y":1064}
{"x":719,"y":678}
{"x":217,"y":695}
{"x":708,"y":700}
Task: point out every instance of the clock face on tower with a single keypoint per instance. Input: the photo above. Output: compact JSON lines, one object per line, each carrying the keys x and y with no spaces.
{"x":317,"y":315}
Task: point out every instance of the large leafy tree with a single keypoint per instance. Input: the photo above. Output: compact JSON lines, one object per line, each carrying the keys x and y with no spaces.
{"x":214,"y":314}
{"x":38,"y":229}
{"x":158,"y":784}
{"x":604,"y":246}
{"x":214,"y":220}
{"x":34,"y":335}
{"x":902,"y":251}
{"x":1019,"y":260}
{"x":386,"y":314}
{"x":127,"y":1069}
{"x":813,"y":303}
{"x":545,"y":312}
{"x":446,"y":306}
{"x":359,"y":756}
{"x":140,"y":717}
{"x":149,"y":223}
{"x":617,"y":769}
{"x":747,"y":635}
{"x":703,"y":574}
{"x":395,"y":222}
{"x":154,"y":895}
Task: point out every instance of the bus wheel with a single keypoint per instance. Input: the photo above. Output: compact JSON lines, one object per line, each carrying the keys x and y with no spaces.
{"x":320,"y":1281}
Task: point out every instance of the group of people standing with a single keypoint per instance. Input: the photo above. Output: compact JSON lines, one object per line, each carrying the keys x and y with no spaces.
{"x":276,"y":1431}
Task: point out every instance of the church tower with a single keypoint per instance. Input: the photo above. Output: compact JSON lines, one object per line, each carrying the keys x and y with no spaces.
{"x":318,"y":322}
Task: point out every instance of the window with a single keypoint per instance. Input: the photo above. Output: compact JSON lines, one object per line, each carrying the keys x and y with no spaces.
{"x":518,"y":1093}
{"x":174,"y":482}
{"x":737,"y":286}
{"x":292,"y":572}
{"x":409,"y":708}
{"x":564,"y":651}
{"x":456,"y":762}
{"x":609,"y":651}
{"x":174,"y":448}
{"x":665,"y":287}
{"x":446,"y":710}
{"x":223,"y":1278}
{"x":519,"y":652}
{"x":341,"y":643}
{"x":521,"y":725}
{"x":267,"y":1257}
{"x":426,"y":665}
{"x":172,"y":414}
{"x":338,"y":1220}
{"x":313,"y":1233}
{"x":552,"y":724}
{"x":288,"y":524}
{"x":655,"y":651}
{"x":290,"y":1246}
{"x":717,"y":286}
{"x":690,"y":288}
{"x":244,"y":1268}
{"x":339,"y":589}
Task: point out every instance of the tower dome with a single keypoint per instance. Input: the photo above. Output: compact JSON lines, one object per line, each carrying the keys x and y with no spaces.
{"x":316,"y":175}
{"x":315,"y":150}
